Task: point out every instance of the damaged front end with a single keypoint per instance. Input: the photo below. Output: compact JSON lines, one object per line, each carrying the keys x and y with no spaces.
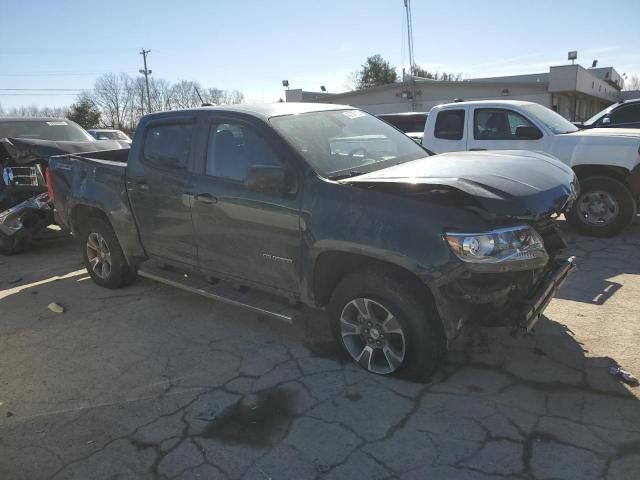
{"x":508,"y":267}
{"x":24,"y":203}
{"x":512,"y":293}
{"x":21,"y":222}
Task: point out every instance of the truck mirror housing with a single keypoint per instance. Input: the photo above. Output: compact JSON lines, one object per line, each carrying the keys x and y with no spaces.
{"x":266,"y":178}
{"x":528,"y":133}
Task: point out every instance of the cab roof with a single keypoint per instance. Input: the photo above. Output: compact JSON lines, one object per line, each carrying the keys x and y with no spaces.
{"x":266,"y":110}
{"x":33,"y":119}
{"x":488,"y":102}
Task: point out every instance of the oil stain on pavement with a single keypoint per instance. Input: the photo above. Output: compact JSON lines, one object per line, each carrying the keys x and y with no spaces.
{"x":259,"y":420}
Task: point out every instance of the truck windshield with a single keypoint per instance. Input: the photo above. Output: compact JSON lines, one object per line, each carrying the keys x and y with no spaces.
{"x":339,"y":142}
{"x":111,"y":135}
{"x":53,"y":130}
{"x":552,"y":120}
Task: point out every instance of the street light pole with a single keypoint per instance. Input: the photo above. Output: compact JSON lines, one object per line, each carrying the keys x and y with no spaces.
{"x":146,"y":72}
{"x":407,"y":6}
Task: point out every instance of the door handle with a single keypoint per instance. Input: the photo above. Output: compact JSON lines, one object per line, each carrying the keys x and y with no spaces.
{"x":477,"y":149}
{"x":205,"y":198}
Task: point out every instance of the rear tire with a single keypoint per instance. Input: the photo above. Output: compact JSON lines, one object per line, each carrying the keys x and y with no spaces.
{"x":604,"y":208}
{"x":103,"y":256}
{"x":400,"y":326}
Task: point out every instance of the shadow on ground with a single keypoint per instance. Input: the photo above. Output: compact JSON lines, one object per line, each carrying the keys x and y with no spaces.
{"x":604,"y":259}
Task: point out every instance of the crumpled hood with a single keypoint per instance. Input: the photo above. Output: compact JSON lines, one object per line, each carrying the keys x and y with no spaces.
{"x":504,"y":183}
{"x":23,"y":151}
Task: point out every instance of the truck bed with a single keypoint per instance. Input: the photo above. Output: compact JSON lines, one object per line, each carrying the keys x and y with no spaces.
{"x":119,"y":156}
{"x":95,"y":180}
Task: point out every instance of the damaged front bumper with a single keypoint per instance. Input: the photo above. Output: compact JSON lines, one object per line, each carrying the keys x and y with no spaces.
{"x":19,"y":223}
{"x":533,"y":307}
{"x":516,"y":300}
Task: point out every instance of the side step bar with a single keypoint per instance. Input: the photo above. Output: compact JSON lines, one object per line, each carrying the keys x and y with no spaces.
{"x":257,"y":302}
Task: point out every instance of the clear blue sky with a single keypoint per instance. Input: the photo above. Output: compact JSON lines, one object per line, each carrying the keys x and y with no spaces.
{"x":252,"y":45}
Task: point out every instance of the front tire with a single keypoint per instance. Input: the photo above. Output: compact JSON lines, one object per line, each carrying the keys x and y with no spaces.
{"x":387,"y":325}
{"x":103,"y":256}
{"x":604,"y":208}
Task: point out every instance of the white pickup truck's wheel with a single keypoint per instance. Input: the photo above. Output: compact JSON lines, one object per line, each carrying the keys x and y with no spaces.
{"x":387,"y":324}
{"x":103,"y":256}
{"x":605,"y":207}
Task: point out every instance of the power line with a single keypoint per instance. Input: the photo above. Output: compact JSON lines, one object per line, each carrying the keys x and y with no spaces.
{"x":37,"y":94}
{"x":46,"y":89}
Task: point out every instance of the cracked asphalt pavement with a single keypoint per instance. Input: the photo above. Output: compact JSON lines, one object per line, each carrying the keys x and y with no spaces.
{"x":151,"y":382}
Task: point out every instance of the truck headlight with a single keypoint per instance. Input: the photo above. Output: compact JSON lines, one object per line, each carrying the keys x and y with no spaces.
{"x":514,"y":248}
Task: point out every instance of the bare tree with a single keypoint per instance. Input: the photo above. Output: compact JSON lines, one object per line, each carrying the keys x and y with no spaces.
{"x":122,"y":98}
{"x":233,"y":97}
{"x":35,"y":111}
{"x":632,"y":83}
{"x":160,"y":93}
{"x":183,"y":94}
{"x":113,"y":94}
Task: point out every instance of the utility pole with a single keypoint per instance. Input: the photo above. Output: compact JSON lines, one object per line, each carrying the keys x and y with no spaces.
{"x":407,"y":6}
{"x":146,"y":72}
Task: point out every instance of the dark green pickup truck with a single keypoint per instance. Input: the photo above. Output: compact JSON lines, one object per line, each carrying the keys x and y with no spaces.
{"x":273,"y":206}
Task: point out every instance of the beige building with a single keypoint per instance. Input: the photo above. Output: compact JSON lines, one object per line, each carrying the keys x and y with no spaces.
{"x":575,"y":92}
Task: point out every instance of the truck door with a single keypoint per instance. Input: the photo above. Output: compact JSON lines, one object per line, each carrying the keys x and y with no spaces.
{"x":241,"y":233}
{"x":446,"y":133}
{"x":159,"y":185}
{"x":502,"y":129}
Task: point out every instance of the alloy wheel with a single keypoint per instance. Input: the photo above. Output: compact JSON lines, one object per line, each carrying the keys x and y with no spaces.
{"x":372,"y":335}
{"x":98,"y":255}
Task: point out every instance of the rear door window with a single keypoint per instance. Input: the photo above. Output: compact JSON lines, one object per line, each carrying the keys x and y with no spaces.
{"x":168,"y":145}
{"x":450,"y":125}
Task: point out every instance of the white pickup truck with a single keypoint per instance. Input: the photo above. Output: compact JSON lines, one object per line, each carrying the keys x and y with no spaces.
{"x":606,"y":161}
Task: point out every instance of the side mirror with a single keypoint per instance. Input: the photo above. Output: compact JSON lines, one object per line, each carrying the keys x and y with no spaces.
{"x":528,"y":133}
{"x":605,"y":121}
{"x":267,"y":179}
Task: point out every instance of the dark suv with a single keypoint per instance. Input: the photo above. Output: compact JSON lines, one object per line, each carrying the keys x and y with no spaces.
{"x":624,"y":114}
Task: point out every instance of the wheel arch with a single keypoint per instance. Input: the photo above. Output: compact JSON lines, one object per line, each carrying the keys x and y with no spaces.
{"x":81,"y":213}
{"x":130,"y":244}
{"x":631,"y":179}
{"x":331,"y":266}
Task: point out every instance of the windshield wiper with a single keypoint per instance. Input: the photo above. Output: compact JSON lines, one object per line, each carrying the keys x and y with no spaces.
{"x":352,"y":173}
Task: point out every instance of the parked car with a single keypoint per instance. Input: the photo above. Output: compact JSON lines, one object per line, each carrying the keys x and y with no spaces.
{"x":619,"y":115}
{"x":327,"y":206}
{"x":109,"y":134}
{"x":411,"y":123}
{"x":25,"y":146}
{"x":607,"y":161}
